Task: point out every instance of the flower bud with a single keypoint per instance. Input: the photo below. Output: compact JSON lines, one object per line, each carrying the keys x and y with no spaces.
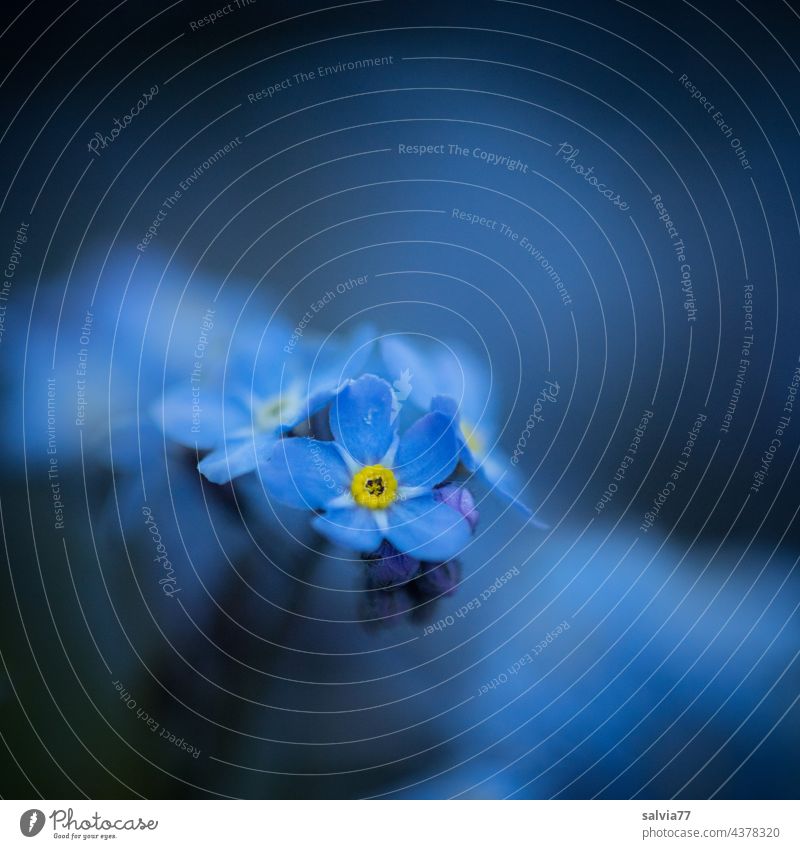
{"x":389,"y":568}
{"x":438,"y":579}
{"x":459,"y":498}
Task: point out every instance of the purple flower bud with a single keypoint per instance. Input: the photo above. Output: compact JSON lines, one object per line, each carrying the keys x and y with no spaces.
{"x":389,"y":568}
{"x":459,"y":498}
{"x":438,"y":579}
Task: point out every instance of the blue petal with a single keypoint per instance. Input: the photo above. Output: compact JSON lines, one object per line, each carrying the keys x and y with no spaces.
{"x":464,"y":376}
{"x":446,"y":405}
{"x":467,"y":457}
{"x":428,"y":451}
{"x":427,"y":529}
{"x":305,"y":473}
{"x":351,"y":527}
{"x":361,"y":418}
{"x":312,"y":405}
{"x":236,"y":457}
{"x":200,"y":426}
{"x":503,"y":482}
{"x":261,"y":355}
{"x":335,"y":361}
{"x":406,"y":364}
{"x":340,"y":357}
{"x":443,"y":369}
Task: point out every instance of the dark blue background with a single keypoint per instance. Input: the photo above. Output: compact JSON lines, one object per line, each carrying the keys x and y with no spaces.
{"x":678,"y":674}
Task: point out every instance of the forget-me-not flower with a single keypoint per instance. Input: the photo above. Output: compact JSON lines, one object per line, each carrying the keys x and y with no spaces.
{"x":368,"y":484}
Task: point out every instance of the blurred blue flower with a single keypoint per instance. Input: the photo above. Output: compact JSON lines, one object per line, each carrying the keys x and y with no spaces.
{"x":270,"y":387}
{"x":452,"y":381}
{"x":98,"y":346}
{"x":371,"y":484}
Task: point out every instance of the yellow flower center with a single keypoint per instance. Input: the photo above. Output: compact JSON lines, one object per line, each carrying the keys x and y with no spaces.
{"x":474,"y":441}
{"x":269,"y":412}
{"x":374,"y":487}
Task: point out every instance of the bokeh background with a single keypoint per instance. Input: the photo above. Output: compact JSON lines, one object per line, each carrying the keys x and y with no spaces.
{"x":667,"y":655}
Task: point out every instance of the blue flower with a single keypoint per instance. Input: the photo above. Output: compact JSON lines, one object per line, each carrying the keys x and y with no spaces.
{"x":270,"y":386}
{"x":103,"y":339}
{"x":454,"y":382}
{"x":372,"y":485}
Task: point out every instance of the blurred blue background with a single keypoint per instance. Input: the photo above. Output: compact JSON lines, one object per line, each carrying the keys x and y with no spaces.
{"x":678,"y":673}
